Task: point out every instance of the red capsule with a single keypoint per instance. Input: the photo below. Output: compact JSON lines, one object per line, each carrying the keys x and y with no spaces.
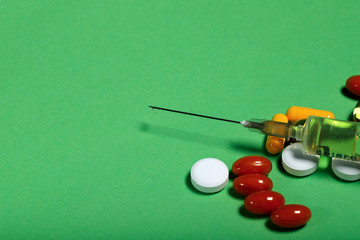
{"x":250,"y":183}
{"x":251,"y":164}
{"x":291,"y":216}
{"x":353,"y":85}
{"x":263,"y":202}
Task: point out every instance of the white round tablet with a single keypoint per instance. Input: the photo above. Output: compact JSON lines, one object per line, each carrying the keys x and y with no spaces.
{"x":347,"y":170}
{"x":298,"y":163}
{"x":209,"y":175}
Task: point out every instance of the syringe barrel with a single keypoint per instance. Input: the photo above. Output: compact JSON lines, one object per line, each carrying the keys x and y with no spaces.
{"x":278,"y":129}
{"x":332,"y":138}
{"x":284,"y":130}
{"x":267,"y":127}
{"x":320,"y":136}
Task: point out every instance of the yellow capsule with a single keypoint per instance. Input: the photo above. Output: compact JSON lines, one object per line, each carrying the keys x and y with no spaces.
{"x":275,"y":145}
{"x":295,"y":113}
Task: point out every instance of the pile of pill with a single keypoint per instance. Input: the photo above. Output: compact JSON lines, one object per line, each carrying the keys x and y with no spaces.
{"x":299,"y":164}
{"x":211,"y":175}
{"x":295,"y":114}
{"x":294,"y":161}
{"x":251,"y":181}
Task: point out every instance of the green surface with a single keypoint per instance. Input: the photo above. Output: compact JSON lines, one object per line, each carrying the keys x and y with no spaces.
{"x":83,"y":157}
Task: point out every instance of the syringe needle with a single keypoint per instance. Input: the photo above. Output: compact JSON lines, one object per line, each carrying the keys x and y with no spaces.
{"x":260,"y":126}
{"x":197,"y":115}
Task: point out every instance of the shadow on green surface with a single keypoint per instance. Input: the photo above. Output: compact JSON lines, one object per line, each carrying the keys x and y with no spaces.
{"x":268,"y":223}
{"x":236,"y":195}
{"x":198,"y":138}
{"x":346,"y":92}
{"x":232,"y":176}
{"x":351,"y":117}
{"x":243,"y":212}
{"x":275,"y":228}
{"x":192,"y":188}
{"x":281,"y":168}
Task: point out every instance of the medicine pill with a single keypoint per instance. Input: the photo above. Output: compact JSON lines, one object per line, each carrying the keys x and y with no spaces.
{"x":250,"y":183}
{"x":275,"y":145}
{"x":291,"y":216}
{"x":263,"y":202}
{"x":295,"y":113}
{"x":209,"y":175}
{"x":298,"y":163}
{"x":346,"y":170}
{"x":353,"y":85}
{"x":251,"y":165}
{"x":356,"y":112}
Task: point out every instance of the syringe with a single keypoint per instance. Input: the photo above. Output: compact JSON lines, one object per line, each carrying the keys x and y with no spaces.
{"x":319,"y":136}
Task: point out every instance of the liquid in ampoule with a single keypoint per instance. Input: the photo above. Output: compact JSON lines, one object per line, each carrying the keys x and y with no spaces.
{"x":332,"y":138}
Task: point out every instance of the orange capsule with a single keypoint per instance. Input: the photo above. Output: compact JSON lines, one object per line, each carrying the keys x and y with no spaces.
{"x":275,"y":145}
{"x":295,"y":113}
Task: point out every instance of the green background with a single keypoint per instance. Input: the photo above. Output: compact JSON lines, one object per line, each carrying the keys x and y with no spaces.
{"x":83,"y":157}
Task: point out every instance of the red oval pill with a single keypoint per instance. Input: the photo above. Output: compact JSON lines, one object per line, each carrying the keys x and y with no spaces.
{"x":250,"y":183}
{"x":353,"y":85}
{"x":263,"y":202}
{"x":291,"y":216}
{"x":251,"y":164}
